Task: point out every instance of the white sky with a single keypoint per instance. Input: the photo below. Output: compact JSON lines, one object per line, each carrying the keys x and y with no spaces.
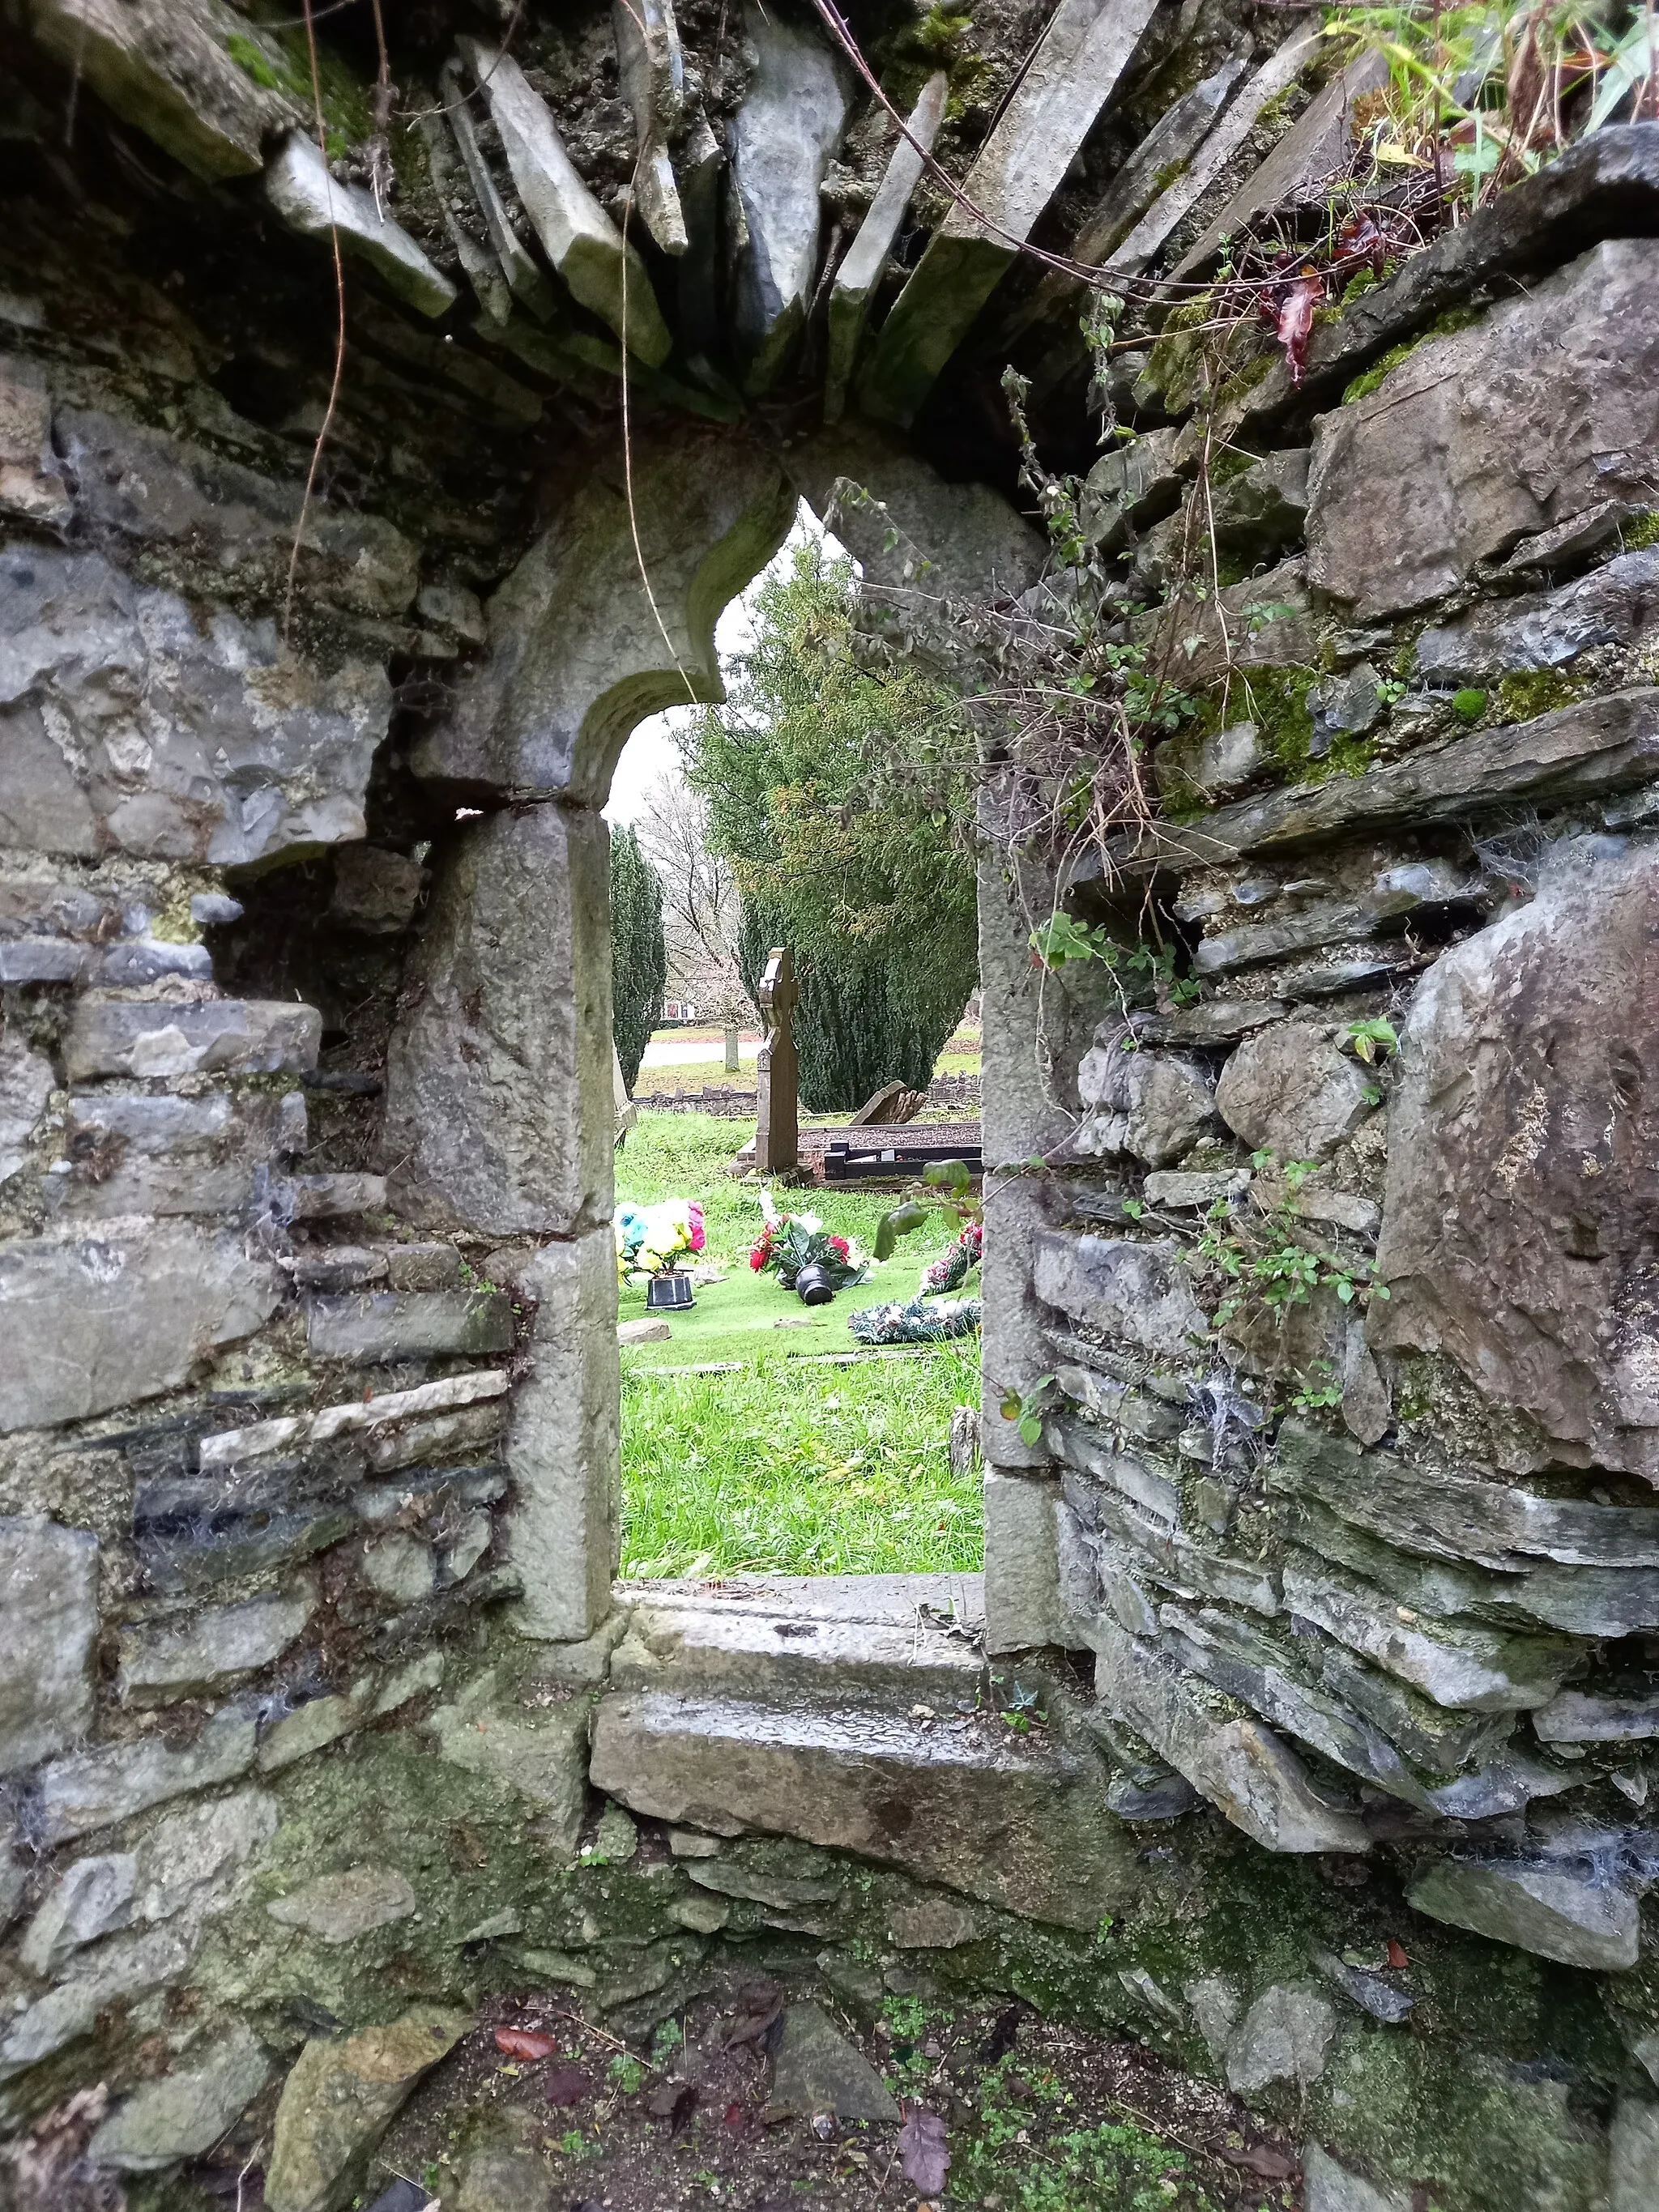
{"x":651,"y":753}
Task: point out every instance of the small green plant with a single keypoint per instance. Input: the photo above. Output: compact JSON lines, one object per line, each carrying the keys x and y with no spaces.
{"x":1468,"y":705}
{"x":626,"y":2071}
{"x":1133,"y":1208}
{"x":1026,"y":1409}
{"x":1372,"y":1040}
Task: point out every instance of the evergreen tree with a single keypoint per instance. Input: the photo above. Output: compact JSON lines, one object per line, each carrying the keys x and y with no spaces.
{"x":639,"y":953}
{"x":839,"y":798}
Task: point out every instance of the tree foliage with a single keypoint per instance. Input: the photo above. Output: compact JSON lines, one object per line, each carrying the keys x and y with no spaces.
{"x":862,"y":868}
{"x":639,"y":953}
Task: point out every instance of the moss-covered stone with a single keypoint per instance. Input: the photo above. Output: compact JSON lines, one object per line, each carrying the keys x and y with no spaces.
{"x":1455,"y":318}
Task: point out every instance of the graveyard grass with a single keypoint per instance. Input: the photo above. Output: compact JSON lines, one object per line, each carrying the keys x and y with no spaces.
{"x":782,"y":1465}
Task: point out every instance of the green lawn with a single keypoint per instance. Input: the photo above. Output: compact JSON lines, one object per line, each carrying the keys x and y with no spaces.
{"x":783,"y":1468}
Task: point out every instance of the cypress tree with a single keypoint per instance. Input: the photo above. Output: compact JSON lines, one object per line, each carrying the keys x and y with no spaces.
{"x":639,"y":954}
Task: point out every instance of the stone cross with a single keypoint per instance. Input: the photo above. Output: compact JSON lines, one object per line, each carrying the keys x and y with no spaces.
{"x":777,"y":1113}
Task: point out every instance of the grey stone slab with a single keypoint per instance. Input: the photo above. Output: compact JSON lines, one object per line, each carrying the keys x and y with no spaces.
{"x":334,"y":1197}
{"x":564,"y":1449}
{"x":1083,"y":52}
{"x":1214,"y":1022}
{"x":49,"y":1576}
{"x":1458,"y":1665}
{"x":310,"y":201}
{"x":484,"y":270}
{"x":1330,"y":2187}
{"x":340,"y":2098}
{"x":209,"y":1651}
{"x":818,"y":2070}
{"x":1152,"y":1105}
{"x":1617,"y":604}
{"x":1263,"y":621}
{"x":100,"y":1320}
{"x":184,"y":2113}
{"x":537,"y":1751}
{"x":1024,"y":1605}
{"x":378,"y":1325}
{"x":1169,"y":145}
{"x":1135,"y":1293}
{"x":1133,"y":1416}
{"x":1633,"y":2156}
{"x":168,"y":66}
{"x":27,"y":1081}
{"x":217,"y":743}
{"x":783,"y":138}
{"x":1456,"y":1518}
{"x":92,"y":1898}
{"x":651,"y":65}
{"x":1519,"y":1136}
{"x":198,"y":1860}
{"x":835,"y":1777}
{"x":577,"y":235}
{"x":1395,"y":894}
{"x":1237,"y":1658}
{"x":32,"y":486}
{"x":1284,"y":2037}
{"x":1584,"y":1716}
{"x":1383,"y":2000}
{"x":1601,"y":745}
{"x":1316,"y":146}
{"x":1581,"y":1921}
{"x":93,"y":1789}
{"x":1211,"y":768}
{"x":1288,"y":1091}
{"x":1153,"y":1547}
{"x":338,"y":1908}
{"x":498,"y":1106}
{"x":110,"y":1035}
{"x":1416,"y":482}
{"x":125,"y":1966}
{"x":376,"y":892}
{"x":1240,"y":1766}
{"x":1181,"y":194}
{"x":864,"y":262}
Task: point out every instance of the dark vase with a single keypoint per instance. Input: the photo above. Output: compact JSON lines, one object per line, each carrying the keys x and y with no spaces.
{"x":814,"y":1286}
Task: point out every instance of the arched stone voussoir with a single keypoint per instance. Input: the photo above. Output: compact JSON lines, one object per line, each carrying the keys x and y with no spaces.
{"x":577,"y":658}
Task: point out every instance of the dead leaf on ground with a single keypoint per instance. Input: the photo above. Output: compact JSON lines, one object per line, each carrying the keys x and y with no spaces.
{"x":922,"y":2152}
{"x":567,"y":2085}
{"x":1262,"y":2161}
{"x":759,"y":2007}
{"x":525,"y":2042}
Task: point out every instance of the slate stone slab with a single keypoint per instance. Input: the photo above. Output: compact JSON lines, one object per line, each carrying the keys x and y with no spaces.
{"x":1522,"y":1137}
{"x":1581,"y":1921}
{"x":49,"y":1577}
{"x":818,"y":2070}
{"x":377,"y":1325}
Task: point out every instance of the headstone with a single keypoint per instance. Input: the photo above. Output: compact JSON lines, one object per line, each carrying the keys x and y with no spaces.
{"x":730,"y":1048}
{"x":777,"y":1117}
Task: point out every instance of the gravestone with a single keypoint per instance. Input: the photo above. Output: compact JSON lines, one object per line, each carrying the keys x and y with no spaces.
{"x":730,"y":1048}
{"x":777,"y":1114}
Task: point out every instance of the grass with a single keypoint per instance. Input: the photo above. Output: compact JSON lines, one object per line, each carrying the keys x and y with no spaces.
{"x":782,"y":1468}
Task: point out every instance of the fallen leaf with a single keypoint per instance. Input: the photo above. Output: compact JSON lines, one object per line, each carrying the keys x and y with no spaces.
{"x":1293,"y":318}
{"x":735,"y":2118}
{"x":525,"y":2042}
{"x":922,"y":2152}
{"x":1260,"y":2160}
{"x":1397,"y":1957}
{"x":673,"y":2101}
{"x":567,"y":2085}
{"x":760,"y":2006}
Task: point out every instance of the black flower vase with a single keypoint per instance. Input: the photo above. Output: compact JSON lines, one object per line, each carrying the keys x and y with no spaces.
{"x":813,"y":1285}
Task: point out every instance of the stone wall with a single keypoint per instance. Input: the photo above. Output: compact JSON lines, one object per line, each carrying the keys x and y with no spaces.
{"x":308,"y":1447}
{"x":1337,"y":1298}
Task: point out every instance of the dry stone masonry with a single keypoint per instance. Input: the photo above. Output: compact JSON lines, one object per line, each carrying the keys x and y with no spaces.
{"x":319,"y":1709}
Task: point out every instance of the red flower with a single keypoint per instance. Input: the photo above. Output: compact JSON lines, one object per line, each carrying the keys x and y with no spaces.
{"x":841,"y":1248}
{"x":758,"y":1259}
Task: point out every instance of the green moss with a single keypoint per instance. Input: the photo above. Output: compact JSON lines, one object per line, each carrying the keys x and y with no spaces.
{"x":253,"y":63}
{"x":1455,"y":318}
{"x":1643,"y":531}
{"x":1249,"y":374}
{"x":1175,"y":363}
{"x":1276,"y":701}
{"x":1167,"y":175}
{"x":1468,"y":705}
{"x":1534,"y":691}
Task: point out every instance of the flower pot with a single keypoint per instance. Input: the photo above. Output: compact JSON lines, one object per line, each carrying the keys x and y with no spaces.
{"x":814,"y":1284}
{"x":668,"y":1292}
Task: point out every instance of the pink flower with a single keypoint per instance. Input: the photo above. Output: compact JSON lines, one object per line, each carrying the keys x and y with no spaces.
{"x":694,"y":1215}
